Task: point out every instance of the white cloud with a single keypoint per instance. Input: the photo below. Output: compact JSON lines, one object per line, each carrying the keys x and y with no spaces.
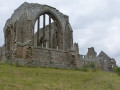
{"x":103,"y":35}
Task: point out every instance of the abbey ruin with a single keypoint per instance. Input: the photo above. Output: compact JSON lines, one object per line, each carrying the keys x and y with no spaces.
{"x":40,"y":35}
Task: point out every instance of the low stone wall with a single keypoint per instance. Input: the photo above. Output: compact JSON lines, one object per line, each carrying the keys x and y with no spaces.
{"x":47,"y":58}
{"x":51,"y":58}
{"x":98,"y":61}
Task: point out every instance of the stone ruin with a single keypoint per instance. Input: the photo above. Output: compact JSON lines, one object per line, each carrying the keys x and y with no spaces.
{"x":102,"y":61}
{"x":40,"y":35}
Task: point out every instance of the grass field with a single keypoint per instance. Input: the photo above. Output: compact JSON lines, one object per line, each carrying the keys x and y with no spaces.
{"x":26,"y":78}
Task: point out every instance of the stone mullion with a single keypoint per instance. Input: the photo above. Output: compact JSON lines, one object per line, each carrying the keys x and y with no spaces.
{"x":56,"y":34}
{"x":49,"y":31}
{"x":44,"y":44}
{"x":38,"y":27}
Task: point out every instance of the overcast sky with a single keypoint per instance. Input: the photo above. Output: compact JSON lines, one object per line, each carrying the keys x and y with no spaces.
{"x":95,"y":23}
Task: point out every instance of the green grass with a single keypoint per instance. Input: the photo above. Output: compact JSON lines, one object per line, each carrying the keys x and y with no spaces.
{"x":26,"y":78}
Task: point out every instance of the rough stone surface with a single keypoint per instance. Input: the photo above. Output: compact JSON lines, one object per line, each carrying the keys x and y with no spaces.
{"x":91,"y":52}
{"x":102,"y":61}
{"x":33,"y":39}
{"x":110,"y":61}
{"x":50,"y":46}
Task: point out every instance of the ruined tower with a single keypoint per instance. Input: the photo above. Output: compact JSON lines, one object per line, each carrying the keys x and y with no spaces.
{"x":91,"y":52}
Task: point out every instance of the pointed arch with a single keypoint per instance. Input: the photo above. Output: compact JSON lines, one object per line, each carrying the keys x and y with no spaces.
{"x":54,"y":33}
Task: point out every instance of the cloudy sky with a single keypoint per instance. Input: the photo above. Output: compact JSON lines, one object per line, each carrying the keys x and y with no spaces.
{"x":96,"y":23}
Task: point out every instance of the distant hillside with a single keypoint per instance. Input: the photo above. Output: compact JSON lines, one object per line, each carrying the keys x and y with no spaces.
{"x":29,"y":78}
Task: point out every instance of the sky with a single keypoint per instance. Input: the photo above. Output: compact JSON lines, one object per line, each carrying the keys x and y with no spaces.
{"x":95,"y":23}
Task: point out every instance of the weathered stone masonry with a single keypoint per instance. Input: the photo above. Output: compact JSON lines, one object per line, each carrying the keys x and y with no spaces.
{"x":102,"y":61}
{"x":40,"y":35}
{"x":51,"y":45}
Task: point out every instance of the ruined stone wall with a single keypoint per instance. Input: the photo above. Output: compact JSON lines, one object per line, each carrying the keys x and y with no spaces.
{"x":19,"y":29}
{"x":110,"y":61}
{"x":46,"y":29}
{"x":25,"y":17}
{"x":76,"y":47}
{"x":53,"y":36}
{"x":47,"y":58}
{"x":52,"y":58}
{"x":102,"y":61}
{"x":50,"y":46}
{"x":68,"y":36}
{"x":104,"y":56}
{"x":98,"y":61}
{"x":91,"y":52}
{"x":2,"y":53}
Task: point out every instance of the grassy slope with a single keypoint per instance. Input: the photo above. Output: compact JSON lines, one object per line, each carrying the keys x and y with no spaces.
{"x":24,"y":78}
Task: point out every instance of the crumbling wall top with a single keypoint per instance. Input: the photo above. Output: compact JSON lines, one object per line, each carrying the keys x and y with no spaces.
{"x":104,"y":55}
{"x":32,"y":11}
{"x":91,"y":52}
